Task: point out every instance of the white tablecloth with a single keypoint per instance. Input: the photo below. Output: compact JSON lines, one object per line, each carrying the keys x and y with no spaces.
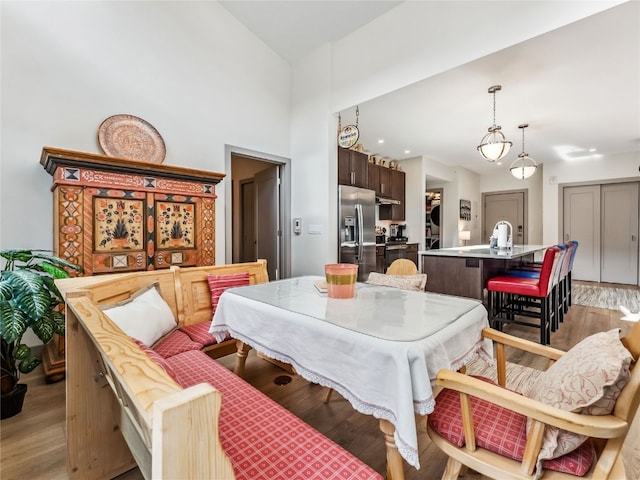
{"x":388,"y":370}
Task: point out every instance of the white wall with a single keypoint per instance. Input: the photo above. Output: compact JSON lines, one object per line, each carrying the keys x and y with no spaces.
{"x":419,"y":39}
{"x":188,"y":68}
{"x":314,"y":174}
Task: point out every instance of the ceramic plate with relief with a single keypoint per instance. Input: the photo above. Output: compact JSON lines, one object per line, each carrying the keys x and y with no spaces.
{"x":128,"y":136}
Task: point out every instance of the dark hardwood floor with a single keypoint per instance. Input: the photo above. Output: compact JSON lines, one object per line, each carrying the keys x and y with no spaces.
{"x":33,"y":442}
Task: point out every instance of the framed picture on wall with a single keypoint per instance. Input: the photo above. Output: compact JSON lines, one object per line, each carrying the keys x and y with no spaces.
{"x":465,"y":210}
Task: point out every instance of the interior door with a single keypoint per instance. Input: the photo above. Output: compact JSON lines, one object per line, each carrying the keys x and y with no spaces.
{"x":267,"y":208}
{"x":248,"y":223}
{"x":510,"y":207}
{"x":619,"y":213}
{"x":582,"y":223}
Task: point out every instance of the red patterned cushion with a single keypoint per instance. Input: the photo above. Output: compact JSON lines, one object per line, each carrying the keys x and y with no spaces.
{"x":499,"y":430}
{"x":219,"y":283}
{"x":264,"y":440}
{"x":199,"y":332}
{"x":156,"y":358}
{"x":174,"y":343}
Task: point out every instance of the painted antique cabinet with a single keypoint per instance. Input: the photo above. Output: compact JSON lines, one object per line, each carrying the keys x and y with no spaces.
{"x":113,"y":215}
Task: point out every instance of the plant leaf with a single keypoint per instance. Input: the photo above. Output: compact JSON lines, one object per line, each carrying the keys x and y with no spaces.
{"x":57,"y":261}
{"x":27,"y":365}
{"x":13,"y":321}
{"x":29,"y":293}
{"x":43,"y":328}
{"x":22,"y":351}
{"x":57,"y":319}
{"x":20,"y":255}
{"x":5,"y":290}
{"x":53,"y":270}
{"x":51,"y":285}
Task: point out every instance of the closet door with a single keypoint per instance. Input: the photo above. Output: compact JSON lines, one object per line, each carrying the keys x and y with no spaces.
{"x":619,"y":259}
{"x":582,"y":223}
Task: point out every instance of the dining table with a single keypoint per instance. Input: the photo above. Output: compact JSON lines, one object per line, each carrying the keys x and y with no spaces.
{"x":381,"y":350}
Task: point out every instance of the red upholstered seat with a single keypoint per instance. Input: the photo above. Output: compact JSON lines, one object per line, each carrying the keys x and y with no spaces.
{"x":174,"y":343}
{"x":263,"y":440}
{"x":501,"y":431}
{"x":199,"y":333}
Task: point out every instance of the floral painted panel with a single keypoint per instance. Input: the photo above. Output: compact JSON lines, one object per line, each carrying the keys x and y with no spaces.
{"x":118,"y":224}
{"x":175,"y":225}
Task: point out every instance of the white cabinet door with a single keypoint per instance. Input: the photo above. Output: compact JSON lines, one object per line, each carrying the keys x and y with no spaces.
{"x":582,"y":223}
{"x":619,"y":262}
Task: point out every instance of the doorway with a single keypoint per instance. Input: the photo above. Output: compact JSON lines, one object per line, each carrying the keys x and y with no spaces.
{"x":508,"y":206}
{"x":258,"y":213}
{"x":604,"y":221}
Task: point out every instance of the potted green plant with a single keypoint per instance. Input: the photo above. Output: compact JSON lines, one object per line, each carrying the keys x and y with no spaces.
{"x":29,"y":299}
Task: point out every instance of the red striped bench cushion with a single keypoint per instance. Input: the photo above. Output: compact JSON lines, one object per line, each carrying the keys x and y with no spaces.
{"x":199,"y":333}
{"x":501,"y":431}
{"x":264,"y":440}
{"x":174,"y":343}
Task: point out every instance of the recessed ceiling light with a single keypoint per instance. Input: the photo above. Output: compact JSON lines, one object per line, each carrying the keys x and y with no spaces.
{"x":407,"y":151}
{"x":381,"y":140}
{"x":592,"y":150}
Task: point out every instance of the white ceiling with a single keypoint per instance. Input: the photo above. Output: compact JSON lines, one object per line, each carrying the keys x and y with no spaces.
{"x":578,"y":87}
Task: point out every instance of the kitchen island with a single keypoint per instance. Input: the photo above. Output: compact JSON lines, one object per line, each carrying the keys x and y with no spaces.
{"x":464,"y":271}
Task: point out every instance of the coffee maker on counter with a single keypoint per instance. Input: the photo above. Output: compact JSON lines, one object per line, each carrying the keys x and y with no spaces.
{"x":396,"y":232}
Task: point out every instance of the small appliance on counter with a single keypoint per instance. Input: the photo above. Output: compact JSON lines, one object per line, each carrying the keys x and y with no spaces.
{"x":396,"y":232}
{"x":502,"y":237}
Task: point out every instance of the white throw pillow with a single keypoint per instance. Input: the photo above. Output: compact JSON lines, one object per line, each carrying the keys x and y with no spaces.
{"x":406,"y":282}
{"x":145,"y":316}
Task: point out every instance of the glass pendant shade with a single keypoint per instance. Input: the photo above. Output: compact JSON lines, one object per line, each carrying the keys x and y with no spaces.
{"x":523,"y":167}
{"x":493,"y":145}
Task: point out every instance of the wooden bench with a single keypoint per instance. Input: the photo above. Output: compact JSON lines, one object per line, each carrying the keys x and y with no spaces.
{"x":124,"y":409}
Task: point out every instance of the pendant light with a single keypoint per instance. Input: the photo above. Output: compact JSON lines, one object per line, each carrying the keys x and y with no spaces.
{"x":524,"y":166}
{"x":493,"y":145}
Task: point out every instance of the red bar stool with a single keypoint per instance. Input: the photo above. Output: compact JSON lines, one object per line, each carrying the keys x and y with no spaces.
{"x":568,"y":283}
{"x":510,"y":297}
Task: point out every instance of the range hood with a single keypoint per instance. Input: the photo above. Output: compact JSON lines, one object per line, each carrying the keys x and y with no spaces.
{"x":387,"y":201}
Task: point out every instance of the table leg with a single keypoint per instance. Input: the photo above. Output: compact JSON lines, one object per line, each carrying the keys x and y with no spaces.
{"x":395,"y":463}
{"x":241,"y":357}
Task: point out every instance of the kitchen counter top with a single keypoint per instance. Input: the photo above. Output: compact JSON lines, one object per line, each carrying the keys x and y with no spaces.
{"x":483,"y":251}
{"x":464,"y":271}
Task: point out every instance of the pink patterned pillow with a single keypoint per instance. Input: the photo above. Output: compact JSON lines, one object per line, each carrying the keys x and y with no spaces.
{"x":587,"y":379}
{"x":219,"y":283}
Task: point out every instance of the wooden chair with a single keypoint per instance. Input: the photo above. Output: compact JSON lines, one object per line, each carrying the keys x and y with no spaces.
{"x":402,"y":266}
{"x":607,"y":432}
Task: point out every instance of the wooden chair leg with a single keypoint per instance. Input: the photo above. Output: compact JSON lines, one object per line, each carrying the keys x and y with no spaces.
{"x":328,"y":396}
{"x":452,"y":470}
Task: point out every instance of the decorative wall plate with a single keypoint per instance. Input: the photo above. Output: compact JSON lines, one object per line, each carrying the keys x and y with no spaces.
{"x":127,"y":136}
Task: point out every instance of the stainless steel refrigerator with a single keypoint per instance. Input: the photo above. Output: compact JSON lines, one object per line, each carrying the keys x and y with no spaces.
{"x":357,"y":236}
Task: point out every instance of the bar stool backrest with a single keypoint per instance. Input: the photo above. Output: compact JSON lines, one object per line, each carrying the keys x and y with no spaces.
{"x":573,"y":253}
{"x":566,"y":263}
{"x":549,"y":268}
{"x":558,"y":267}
